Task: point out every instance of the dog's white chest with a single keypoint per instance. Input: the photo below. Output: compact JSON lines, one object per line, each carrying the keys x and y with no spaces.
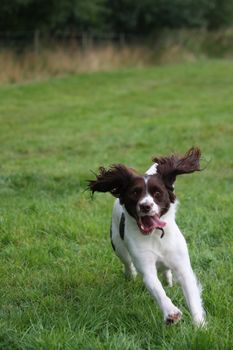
{"x":139,"y":244}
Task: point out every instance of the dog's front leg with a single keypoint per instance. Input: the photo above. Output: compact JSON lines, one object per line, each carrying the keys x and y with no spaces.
{"x":192,"y":293}
{"x":170,"y":312}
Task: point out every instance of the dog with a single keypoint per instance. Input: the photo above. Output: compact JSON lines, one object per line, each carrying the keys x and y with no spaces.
{"x":144,"y":233}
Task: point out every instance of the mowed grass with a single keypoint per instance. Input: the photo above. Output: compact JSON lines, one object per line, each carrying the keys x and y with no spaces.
{"x":61,"y":286}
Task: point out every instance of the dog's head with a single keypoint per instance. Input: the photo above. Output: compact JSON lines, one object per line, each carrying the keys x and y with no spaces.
{"x":146,"y":197}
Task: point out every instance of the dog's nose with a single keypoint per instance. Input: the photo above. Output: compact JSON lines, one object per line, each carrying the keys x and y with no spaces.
{"x":145,"y":208}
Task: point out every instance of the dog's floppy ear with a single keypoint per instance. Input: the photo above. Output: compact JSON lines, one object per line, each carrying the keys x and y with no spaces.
{"x":114,"y":180}
{"x":169,"y":167}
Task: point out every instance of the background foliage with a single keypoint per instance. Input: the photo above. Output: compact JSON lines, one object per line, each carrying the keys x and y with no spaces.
{"x":129,"y":16}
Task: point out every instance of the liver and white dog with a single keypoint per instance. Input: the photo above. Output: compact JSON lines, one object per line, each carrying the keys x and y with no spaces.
{"x":144,"y":233}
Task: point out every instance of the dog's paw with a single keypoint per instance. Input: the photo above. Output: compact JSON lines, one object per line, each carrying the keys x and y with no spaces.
{"x":169,"y":278}
{"x":173,"y":317}
{"x":201,"y":323}
{"x":130,"y":272}
{"x":199,"y":319}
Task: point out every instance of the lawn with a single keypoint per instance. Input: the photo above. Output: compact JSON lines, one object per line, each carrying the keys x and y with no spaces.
{"x":61,"y":286}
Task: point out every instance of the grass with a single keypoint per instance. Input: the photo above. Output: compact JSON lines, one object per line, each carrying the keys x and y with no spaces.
{"x":61,"y":285}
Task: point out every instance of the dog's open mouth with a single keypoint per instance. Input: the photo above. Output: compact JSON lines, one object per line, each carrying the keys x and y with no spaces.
{"x":149,"y":223}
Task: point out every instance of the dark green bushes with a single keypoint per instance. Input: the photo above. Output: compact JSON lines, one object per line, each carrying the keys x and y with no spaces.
{"x":135,"y":17}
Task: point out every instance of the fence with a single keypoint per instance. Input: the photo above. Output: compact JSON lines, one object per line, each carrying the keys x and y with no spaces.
{"x":36,"y":40}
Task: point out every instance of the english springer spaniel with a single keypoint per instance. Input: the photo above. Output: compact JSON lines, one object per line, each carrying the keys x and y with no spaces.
{"x":144,"y":233}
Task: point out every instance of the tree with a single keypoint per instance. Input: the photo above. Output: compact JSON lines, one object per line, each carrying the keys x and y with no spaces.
{"x":52,"y":15}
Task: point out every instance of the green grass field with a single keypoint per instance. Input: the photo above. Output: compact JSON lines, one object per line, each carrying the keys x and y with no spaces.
{"x":61,"y":286}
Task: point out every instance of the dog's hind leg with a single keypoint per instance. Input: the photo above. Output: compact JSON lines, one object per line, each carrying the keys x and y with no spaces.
{"x":123,"y":254}
{"x":130,"y":271}
{"x":169,"y":279}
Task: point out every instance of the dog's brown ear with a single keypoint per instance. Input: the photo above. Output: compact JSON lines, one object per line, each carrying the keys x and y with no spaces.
{"x":114,"y":180}
{"x":169,"y":167}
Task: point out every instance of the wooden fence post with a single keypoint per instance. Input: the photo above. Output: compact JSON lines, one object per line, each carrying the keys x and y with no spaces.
{"x":36,"y":41}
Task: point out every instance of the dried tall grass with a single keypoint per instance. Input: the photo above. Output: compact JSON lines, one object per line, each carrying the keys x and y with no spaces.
{"x":59,"y":61}
{"x":168,"y":47}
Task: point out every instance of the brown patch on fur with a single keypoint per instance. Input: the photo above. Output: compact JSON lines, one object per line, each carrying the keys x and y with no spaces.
{"x":130,"y":187}
{"x":127,"y":185}
{"x":115,"y":180}
{"x":169,"y":167}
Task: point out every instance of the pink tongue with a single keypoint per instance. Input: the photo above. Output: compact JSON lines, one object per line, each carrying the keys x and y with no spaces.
{"x":149,"y":223}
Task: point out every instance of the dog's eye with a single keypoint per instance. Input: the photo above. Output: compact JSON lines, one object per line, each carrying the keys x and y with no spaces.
{"x":136,"y":191}
{"x":157,"y":194}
